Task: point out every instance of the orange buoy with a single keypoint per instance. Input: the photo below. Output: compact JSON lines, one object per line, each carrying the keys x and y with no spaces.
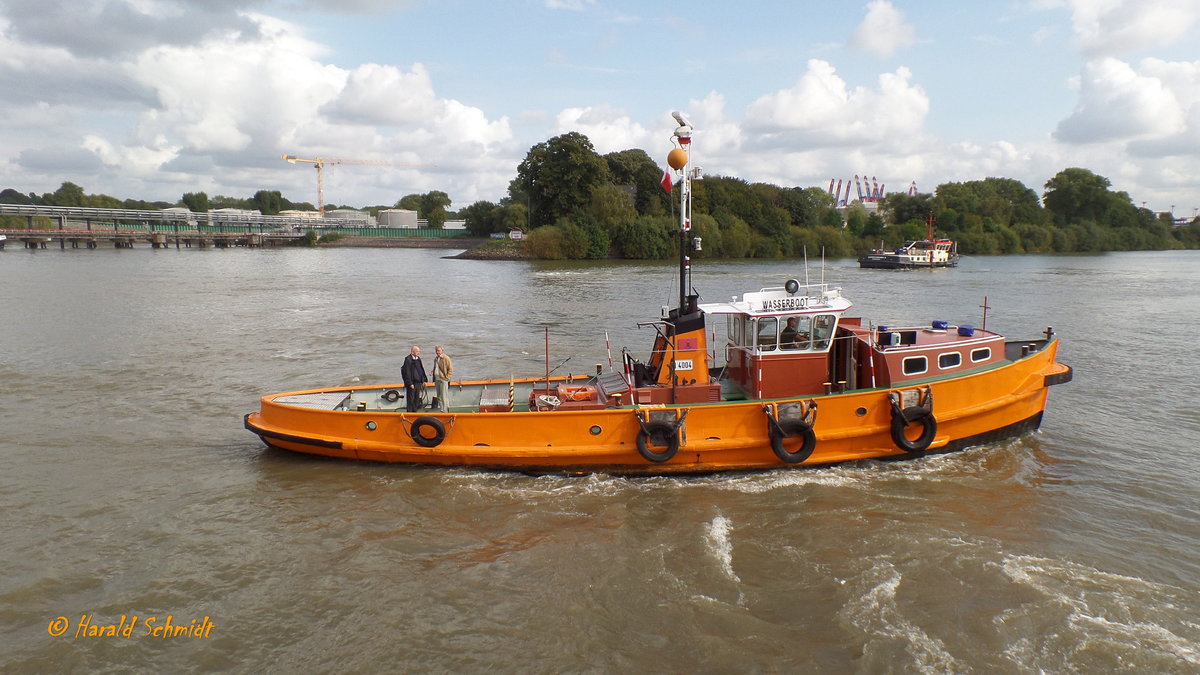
{"x":677,"y":158}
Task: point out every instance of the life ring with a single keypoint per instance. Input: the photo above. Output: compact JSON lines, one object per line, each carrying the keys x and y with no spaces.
{"x":658,"y":433}
{"x":439,"y":431}
{"x":788,"y":429}
{"x":900,"y":421}
{"x":391,"y":396}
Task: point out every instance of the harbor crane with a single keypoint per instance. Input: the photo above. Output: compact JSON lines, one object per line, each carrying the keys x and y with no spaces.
{"x":320,"y":162}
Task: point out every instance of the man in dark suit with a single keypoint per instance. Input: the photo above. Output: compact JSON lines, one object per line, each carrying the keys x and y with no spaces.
{"x":413,"y":372}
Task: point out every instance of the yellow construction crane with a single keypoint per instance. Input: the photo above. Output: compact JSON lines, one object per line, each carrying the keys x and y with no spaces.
{"x":320,"y":162}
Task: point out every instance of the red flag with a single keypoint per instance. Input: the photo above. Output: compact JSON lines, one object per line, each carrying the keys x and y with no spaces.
{"x":666,"y":181}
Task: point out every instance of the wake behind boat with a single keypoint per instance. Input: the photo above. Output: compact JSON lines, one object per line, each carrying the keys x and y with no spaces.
{"x":794,"y":381}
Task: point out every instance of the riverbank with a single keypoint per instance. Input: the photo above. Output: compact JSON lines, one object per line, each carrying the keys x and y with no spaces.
{"x":477,"y":248}
{"x":404,"y":242}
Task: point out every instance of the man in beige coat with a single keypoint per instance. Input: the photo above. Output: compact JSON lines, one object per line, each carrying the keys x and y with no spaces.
{"x":443,"y":372}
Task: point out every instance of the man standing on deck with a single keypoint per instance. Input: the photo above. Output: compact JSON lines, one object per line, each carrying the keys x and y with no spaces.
{"x":443,"y":372}
{"x":413,"y":372}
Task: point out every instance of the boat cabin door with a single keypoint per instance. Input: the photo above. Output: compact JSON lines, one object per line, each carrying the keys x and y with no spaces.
{"x":750,"y":337}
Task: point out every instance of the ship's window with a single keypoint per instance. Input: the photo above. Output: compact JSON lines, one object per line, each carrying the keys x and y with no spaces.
{"x":736,"y":329}
{"x":981,"y":354}
{"x":796,"y":333}
{"x":915,"y":365}
{"x":767,"y":327}
{"x":822,"y":330}
{"x":949,"y":360}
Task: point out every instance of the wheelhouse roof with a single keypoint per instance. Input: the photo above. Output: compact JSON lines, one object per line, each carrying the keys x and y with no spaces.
{"x":811,"y":299}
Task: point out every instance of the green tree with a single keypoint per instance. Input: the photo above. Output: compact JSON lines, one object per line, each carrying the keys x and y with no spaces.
{"x":433,"y":207}
{"x":11,"y":196}
{"x":481,"y":218}
{"x":267,"y":202}
{"x":806,"y":206}
{"x":708,"y":230}
{"x":646,"y":238}
{"x":409,"y":203}
{"x":562,"y":240}
{"x":1004,"y":200}
{"x":900,"y":208}
{"x":558,"y":177}
{"x":68,"y":194}
{"x":635,"y":169}
{"x":856,"y":219}
{"x":611,"y":207}
{"x":196,"y":202}
{"x":736,"y":237}
{"x":514,"y":216}
{"x":874,"y":226}
{"x":1077,"y":195}
{"x":102,"y":202}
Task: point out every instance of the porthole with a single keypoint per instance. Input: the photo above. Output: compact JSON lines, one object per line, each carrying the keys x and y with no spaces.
{"x":949,"y":360}
{"x":595,"y":430}
{"x":981,"y":354}
{"x":915,"y":365}
{"x":370,"y":426}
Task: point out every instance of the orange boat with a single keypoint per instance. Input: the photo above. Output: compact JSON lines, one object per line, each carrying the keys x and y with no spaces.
{"x":797,"y":383}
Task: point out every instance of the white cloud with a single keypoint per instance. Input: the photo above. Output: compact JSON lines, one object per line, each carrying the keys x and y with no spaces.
{"x":1110,"y":27}
{"x":386,"y":95}
{"x":821,"y":111}
{"x":574,"y":5}
{"x":1117,"y":103}
{"x":609,"y":129}
{"x":884,"y":30}
{"x":212,"y":110}
{"x":227,"y":108}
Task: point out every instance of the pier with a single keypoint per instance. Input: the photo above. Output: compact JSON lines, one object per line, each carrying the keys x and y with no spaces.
{"x":78,"y":227}
{"x":126,"y":238}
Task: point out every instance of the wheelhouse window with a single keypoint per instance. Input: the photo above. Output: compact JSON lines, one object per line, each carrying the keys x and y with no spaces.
{"x":915,"y":365}
{"x":981,"y":354}
{"x":796,"y":333}
{"x":949,"y":360}
{"x":767,"y":336}
{"x":823,"y":330}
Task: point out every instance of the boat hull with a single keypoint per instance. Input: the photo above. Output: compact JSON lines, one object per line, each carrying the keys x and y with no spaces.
{"x":979,"y":407}
{"x":886,"y":261}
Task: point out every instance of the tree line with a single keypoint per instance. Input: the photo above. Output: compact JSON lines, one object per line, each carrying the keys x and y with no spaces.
{"x":574,"y":203}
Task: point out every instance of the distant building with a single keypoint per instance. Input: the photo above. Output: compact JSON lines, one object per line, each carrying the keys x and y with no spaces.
{"x":398,"y":218}
{"x":366,"y":219}
{"x":291,"y":213}
{"x":234,"y":212}
{"x":179,"y":214}
{"x":869,"y":207}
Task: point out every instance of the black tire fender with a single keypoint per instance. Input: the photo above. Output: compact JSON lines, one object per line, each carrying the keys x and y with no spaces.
{"x":788,"y":429}
{"x":656,"y":434}
{"x":439,"y":431}
{"x":900,"y":422}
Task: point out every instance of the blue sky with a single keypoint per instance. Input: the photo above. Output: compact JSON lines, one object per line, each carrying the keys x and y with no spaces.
{"x":154,"y":98}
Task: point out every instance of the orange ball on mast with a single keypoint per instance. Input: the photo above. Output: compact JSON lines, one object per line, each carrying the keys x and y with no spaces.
{"x":677,"y":158}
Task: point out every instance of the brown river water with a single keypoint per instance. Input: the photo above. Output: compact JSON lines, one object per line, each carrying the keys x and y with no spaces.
{"x":136,"y":506}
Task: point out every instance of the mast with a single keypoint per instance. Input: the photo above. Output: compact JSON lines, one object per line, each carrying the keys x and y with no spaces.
{"x":680,"y":160}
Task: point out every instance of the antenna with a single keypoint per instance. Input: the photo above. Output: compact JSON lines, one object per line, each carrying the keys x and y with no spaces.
{"x":806,"y":268}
